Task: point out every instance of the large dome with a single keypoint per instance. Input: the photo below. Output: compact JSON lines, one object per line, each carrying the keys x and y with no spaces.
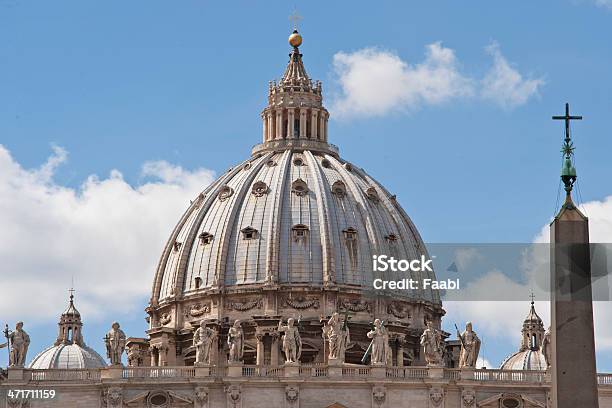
{"x":289,"y":232}
{"x":287,"y":217}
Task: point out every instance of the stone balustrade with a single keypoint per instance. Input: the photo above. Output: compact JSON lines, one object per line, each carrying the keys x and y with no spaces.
{"x":303,"y":371}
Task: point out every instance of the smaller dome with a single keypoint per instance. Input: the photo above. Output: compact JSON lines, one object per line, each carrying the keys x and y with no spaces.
{"x":295,"y":39}
{"x":525,"y":360}
{"x":67,"y":356}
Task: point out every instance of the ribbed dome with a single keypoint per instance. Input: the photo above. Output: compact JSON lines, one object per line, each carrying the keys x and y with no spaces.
{"x":66,"y":357}
{"x":295,"y":216}
{"x":525,"y":360}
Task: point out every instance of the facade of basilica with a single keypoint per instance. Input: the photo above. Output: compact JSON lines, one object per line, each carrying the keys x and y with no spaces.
{"x":263,"y":298}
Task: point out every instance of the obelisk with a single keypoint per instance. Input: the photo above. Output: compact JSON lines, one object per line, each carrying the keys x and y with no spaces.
{"x":574,"y":375}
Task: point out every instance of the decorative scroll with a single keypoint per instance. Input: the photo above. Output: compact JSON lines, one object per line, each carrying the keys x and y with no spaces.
{"x":399,"y":310}
{"x":197,"y":309}
{"x":302,"y":302}
{"x":355,"y":305}
{"x":243,"y":306}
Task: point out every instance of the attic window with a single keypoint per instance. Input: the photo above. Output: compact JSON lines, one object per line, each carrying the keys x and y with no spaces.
{"x":259,"y":189}
{"x":339,"y":189}
{"x":249,"y":233}
{"x":198,"y":282}
{"x":350,"y":234}
{"x":300,"y":232}
{"x":177,"y":246}
{"x":299,"y":187}
{"x":225,"y":192}
{"x":372,"y":194}
{"x":206,"y":238}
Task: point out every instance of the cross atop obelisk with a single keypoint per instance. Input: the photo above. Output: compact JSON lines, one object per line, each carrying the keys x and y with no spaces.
{"x":568,"y":172}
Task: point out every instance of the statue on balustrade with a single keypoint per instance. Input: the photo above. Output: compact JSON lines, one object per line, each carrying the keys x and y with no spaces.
{"x":19,"y":341}
{"x":292,"y":342}
{"x":379,"y":346}
{"x":337,"y":334}
{"x":433,"y":345}
{"x":470,"y":346}
{"x":547,"y":347}
{"x":203,"y":339}
{"x":115,"y":344}
{"x":235,"y":341}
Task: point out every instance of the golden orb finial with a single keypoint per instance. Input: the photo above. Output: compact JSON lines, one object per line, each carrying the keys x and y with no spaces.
{"x":295,"y":39}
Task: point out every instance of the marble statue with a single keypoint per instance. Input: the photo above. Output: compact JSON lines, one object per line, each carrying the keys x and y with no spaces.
{"x":380,"y":349}
{"x":337,"y":334}
{"x":547,"y":347}
{"x":203,"y":338}
{"x":292,"y":342}
{"x":433,"y":345}
{"x":19,"y":342}
{"x":470,"y":347}
{"x":115,"y":344}
{"x":235,"y":341}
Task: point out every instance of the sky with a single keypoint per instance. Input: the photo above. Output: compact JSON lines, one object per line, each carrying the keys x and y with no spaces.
{"x":113,"y":115}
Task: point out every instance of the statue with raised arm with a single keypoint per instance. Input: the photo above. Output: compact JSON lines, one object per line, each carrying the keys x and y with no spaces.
{"x":433,"y":345}
{"x":203,"y":338}
{"x":235,"y":341}
{"x":379,"y":346}
{"x":292,"y":342}
{"x":547,"y":347}
{"x":19,"y":341}
{"x":337,"y":334}
{"x":470,"y":347}
{"x":115,"y":344}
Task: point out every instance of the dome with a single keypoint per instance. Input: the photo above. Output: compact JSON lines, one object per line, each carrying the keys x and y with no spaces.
{"x":525,"y":360}
{"x":530,"y":355}
{"x":67,"y":356}
{"x":69,"y":350}
{"x":287,"y":217}
{"x":289,"y":232}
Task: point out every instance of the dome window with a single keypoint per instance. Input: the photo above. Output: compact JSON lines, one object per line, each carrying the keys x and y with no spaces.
{"x":339,"y":189}
{"x":391,"y":238}
{"x":249,"y":233}
{"x":348,"y":166}
{"x":206,"y":238}
{"x":225,"y":192}
{"x":177,"y":246}
{"x":298,"y":161}
{"x":198,"y":282}
{"x":270,"y":163}
{"x":326,"y":163}
{"x":372,"y":194}
{"x":350,"y":234}
{"x":300,"y":232}
{"x":299,"y":187}
{"x":259,"y":189}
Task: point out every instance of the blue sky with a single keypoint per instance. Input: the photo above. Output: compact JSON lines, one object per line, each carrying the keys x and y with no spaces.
{"x":119,"y":84}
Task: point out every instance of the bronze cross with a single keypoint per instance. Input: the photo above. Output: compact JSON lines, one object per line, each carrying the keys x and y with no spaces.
{"x":567,"y":117}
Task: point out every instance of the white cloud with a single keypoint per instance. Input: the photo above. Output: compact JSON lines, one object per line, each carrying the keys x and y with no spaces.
{"x":504,"y":85}
{"x":107,"y":233}
{"x":375,"y":82}
{"x":604,"y":3}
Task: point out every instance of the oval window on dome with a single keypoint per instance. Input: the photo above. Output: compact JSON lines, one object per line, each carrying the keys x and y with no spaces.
{"x":259,"y":189}
{"x":249,"y":233}
{"x":348,"y":166}
{"x":326,"y":163}
{"x":372,"y":194}
{"x":299,"y":187}
{"x":225,"y":192}
{"x":270,"y":163}
{"x":298,"y":161}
